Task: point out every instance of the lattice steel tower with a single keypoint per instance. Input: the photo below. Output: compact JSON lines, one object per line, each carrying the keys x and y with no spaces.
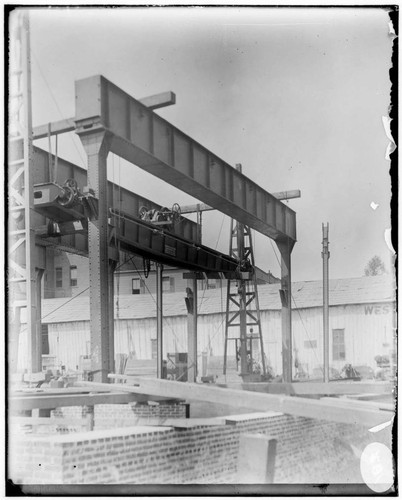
{"x":243,"y":293}
{"x":23,"y":277}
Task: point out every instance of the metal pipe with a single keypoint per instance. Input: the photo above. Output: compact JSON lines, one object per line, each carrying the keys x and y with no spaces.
{"x":325,"y":257}
{"x":159,"y":319}
{"x":192,"y":332}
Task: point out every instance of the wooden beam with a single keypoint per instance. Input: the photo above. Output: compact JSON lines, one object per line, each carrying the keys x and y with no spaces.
{"x":159,"y":100}
{"x":48,"y":421}
{"x":301,"y":407}
{"x":320,"y":388}
{"x":287,"y":195}
{"x":29,"y":402}
{"x":353,"y":403}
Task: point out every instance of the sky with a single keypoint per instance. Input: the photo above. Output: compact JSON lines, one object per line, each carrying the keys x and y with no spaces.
{"x":296,"y":95}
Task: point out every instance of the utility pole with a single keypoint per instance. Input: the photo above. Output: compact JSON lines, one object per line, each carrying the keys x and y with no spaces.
{"x":159,"y":319}
{"x":325,"y":258}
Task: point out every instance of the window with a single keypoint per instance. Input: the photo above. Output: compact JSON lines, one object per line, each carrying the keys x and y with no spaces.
{"x":167,"y":284}
{"x":59,"y":277}
{"x":212,"y":284}
{"x":338,"y":344}
{"x":310,"y":344}
{"x":73,"y":276}
{"x":45,"y":339}
{"x":137,"y":286}
{"x":154,"y":348}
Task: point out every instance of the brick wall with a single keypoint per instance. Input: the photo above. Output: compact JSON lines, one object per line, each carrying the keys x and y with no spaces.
{"x":308,"y":451}
{"x":109,"y":416}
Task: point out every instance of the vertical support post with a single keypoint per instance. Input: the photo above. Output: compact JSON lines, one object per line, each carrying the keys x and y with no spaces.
{"x":286,"y":298}
{"x":244,"y":366}
{"x":112,"y":268}
{"x":37,"y":327}
{"x":325,"y":258}
{"x":96,"y":145}
{"x":199,"y":225}
{"x":159,"y":320}
{"x":191,"y":303}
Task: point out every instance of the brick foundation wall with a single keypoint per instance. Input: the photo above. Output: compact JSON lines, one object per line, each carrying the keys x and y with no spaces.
{"x":308,"y":451}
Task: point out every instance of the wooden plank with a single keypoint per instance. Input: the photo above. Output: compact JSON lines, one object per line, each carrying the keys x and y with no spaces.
{"x":320,"y":388}
{"x":181,"y":423}
{"x":49,"y":421}
{"x":159,"y":100}
{"x":21,"y":403}
{"x":351,"y":403}
{"x":367,"y":397}
{"x":113,"y":396}
{"x":49,"y":391}
{"x":302,"y":407}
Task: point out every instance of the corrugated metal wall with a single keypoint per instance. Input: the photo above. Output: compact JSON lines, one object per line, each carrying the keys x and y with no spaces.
{"x":368,"y":332}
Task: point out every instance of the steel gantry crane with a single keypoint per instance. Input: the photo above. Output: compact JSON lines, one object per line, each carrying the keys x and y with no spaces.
{"x":109,"y":120}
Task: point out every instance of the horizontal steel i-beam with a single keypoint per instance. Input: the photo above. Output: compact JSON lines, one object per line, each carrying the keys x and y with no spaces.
{"x":147,"y":140}
{"x":68,"y":125}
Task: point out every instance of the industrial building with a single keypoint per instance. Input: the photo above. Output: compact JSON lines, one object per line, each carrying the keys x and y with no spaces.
{"x":362,"y":325}
{"x":67,"y":275}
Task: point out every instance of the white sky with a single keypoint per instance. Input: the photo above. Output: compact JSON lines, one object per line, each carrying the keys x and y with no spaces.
{"x":296,"y":95}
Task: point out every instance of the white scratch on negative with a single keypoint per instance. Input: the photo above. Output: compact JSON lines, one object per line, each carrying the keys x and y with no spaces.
{"x":274,"y":25}
{"x":374,"y":205}
{"x":386,"y":121}
{"x":380,"y":427}
{"x":388,"y":240}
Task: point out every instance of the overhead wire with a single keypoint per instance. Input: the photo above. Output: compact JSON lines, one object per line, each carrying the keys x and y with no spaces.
{"x":57,"y":106}
{"x":71,"y":299}
{"x":153,"y":298}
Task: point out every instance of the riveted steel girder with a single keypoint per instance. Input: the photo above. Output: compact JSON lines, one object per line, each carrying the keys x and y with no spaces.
{"x":120,"y":199}
{"x":144,"y":138}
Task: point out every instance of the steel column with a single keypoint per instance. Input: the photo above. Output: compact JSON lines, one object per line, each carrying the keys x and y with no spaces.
{"x":159,"y":320}
{"x":36,"y":337}
{"x":325,"y":258}
{"x":191,"y":303}
{"x":96,"y":145}
{"x":286,"y":298}
{"x":112,"y":268}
